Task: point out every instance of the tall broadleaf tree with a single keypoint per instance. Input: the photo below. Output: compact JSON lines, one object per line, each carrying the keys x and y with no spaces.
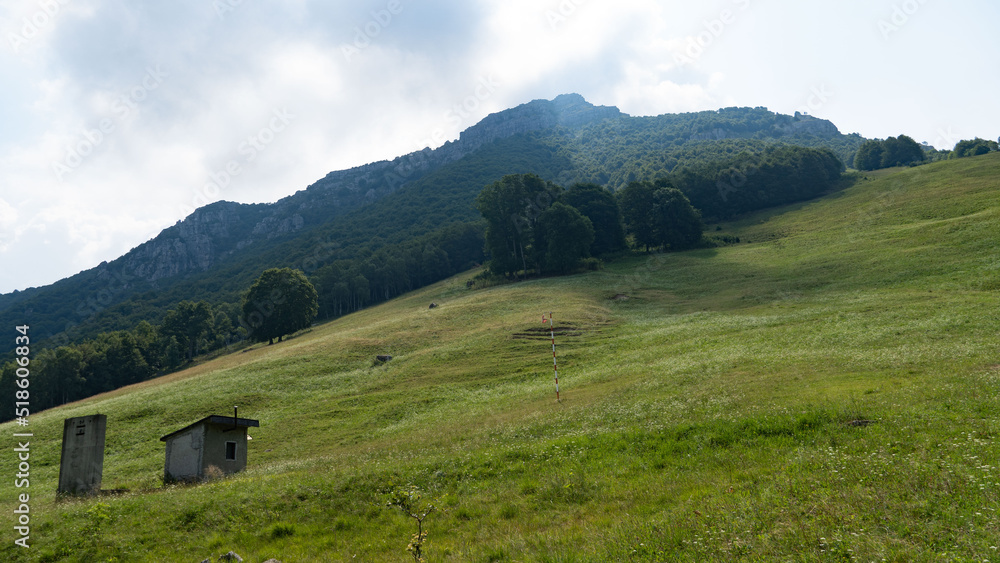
{"x":562,"y":238}
{"x":677,"y":225}
{"x":188,"y":323}
{"x":600,"y":206}
{"x":282,"y":301}
{"x":869,"y":156}
{"x":901,"y":151}
{"x":511,"y":207}
{"x":637,"y":203}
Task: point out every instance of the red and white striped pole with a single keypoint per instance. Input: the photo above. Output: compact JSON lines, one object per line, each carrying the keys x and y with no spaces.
{"x":555,"y":366}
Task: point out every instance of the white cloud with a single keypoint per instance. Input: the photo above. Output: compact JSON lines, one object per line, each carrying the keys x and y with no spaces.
{"x":418,"y":81}
{"x":8,"y":225}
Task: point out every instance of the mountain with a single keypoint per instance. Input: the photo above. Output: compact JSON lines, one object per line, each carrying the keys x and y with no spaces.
{"x":219,"y":249}
{"x":224,"y":229}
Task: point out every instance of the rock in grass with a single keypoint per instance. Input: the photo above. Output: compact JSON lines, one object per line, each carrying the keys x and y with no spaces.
{"x":231,"y":556}
{"x":382,"y":358}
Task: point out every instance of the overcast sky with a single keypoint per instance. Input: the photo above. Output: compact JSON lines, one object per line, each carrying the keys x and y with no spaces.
{"x":116,"y":116}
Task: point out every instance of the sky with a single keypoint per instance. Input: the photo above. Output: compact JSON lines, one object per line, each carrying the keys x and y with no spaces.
{"x":119,"y":117}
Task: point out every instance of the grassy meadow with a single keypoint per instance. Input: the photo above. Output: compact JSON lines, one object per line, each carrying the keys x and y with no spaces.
{"x":826,"y":390}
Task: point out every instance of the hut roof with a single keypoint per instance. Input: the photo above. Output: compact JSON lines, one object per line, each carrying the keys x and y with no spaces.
{"x":219,"y":420}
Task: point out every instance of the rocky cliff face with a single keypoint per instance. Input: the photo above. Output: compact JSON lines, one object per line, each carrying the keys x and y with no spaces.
{"x":807,"y":125}
{"x":193,"y":244}
{"x":223,"y":229}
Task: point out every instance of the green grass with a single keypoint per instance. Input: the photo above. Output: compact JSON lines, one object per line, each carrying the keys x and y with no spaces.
{"x":826,"y":390}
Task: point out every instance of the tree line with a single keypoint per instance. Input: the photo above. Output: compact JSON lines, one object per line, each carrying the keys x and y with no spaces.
{"x":347,"y":285}
{"x":280,"y":302}
{"x":534,"y":225}
{"x":123,"y":357}
{"x":757,"y":179}
{"x":974,"y":147}
{"x":904,"y":151}
{"x":894,"y":151}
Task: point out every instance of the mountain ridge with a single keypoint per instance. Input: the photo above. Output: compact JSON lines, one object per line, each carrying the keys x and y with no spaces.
{"x":237,"y":234}
{"x":176,"y":251}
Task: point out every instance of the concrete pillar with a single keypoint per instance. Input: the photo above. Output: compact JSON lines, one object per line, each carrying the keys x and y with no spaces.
{"x":82,"y":463}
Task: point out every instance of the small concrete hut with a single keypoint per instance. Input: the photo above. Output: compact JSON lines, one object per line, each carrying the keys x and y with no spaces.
{"x":214,"y":441}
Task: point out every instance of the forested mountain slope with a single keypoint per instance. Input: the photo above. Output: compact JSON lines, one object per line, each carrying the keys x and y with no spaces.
{"x":218,"y":250}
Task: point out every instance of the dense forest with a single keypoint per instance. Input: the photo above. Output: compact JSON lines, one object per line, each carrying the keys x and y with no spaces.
{"x":894,"y":151}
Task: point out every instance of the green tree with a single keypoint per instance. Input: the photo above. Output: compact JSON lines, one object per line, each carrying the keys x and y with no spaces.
{"x":360,"y":291}
{"x":223,"y":328}
{"x":173,"y":354}
{"x":113,"y":360}
{"x":901,"y":151}
{"x":636,"y":203}
{"x":511,"y":207}
{"x":869,"y":156}
{"x":147,"y":337}
{"x":562,"y":238}
{"x":188,"y":323}
{"x":677,"y":225}
{"x":600,"y":206}
{"x":281,"y":302}
{"x":974,"y":147}
{"x":61,"y":373}
{"x":125,"y":363}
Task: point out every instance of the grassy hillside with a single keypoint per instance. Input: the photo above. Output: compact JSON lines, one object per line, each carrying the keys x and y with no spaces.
{"x":827,"y":390}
